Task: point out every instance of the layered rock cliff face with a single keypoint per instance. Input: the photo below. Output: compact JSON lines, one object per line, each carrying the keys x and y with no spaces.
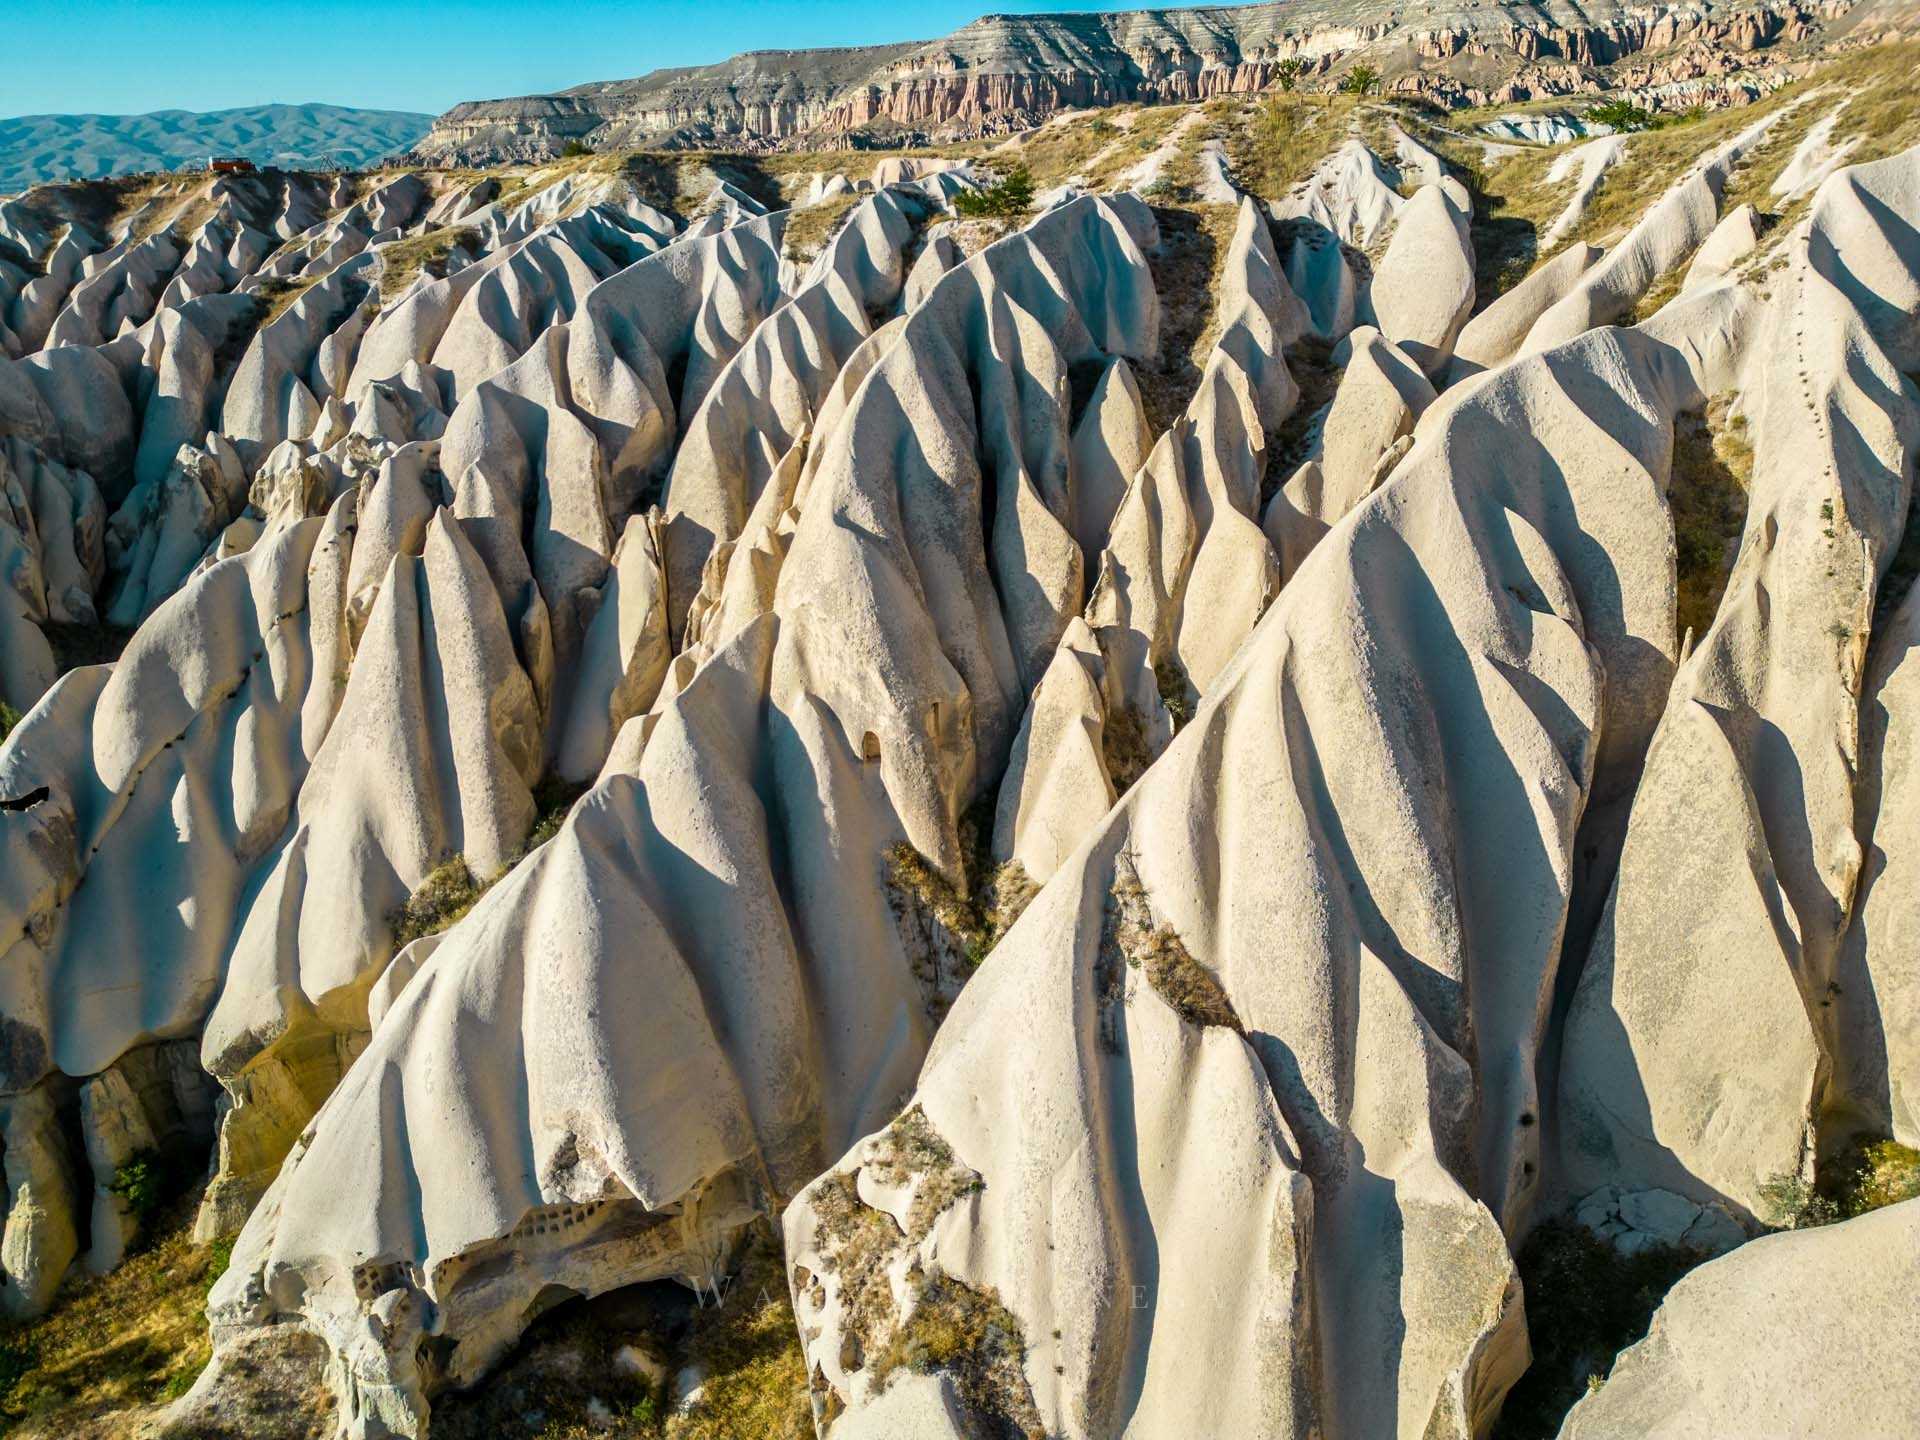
{"x":1165,"y":843}
{"x":761,"y":97}
{"x":1009,"y":72}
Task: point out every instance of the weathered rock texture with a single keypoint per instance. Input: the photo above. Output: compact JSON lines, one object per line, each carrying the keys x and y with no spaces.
{"x":784,"y":1014}
{"x":1159,"y":839}
{"x":1008,"y":72}
{"x":1821,"y":1323}
{"x":1182,"y":1034}
{"x":1742,"y":850}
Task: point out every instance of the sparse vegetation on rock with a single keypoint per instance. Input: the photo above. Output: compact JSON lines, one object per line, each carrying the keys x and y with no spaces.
{"x":452,"y":889}
{"x":1866,"y":1176}
{"x":1586,"y":1302}
{"x":1155,"y":949}
{"x":1005,"y":198}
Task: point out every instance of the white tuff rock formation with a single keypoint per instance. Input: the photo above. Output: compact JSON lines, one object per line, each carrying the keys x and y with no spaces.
{"x":1171,"y":842}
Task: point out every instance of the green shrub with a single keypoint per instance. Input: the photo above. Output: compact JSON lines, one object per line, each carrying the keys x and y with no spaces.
{"x":1868,"y":1175}
{"x":574,"y":149}
{"x":150,"y":1179}
{"x":1170,"y":679}
{"x":1287,"y":74}
{"x":1586,"y":1302}
{"x":449,"y":892}
{"x":1791,"y":1202}
{"x":1622,"y":116}
{"x":1006,"y":198}
{"x":135,"y":1183}
{"x":1360,"y":80}
{"x":15,"y":1361}
{"x":219,"y":1257}
{"x":1889,"y":1173}
{"x":9,"y":717}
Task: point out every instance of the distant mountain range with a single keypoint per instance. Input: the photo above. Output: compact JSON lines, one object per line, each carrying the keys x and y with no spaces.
{"x":34,"y":148}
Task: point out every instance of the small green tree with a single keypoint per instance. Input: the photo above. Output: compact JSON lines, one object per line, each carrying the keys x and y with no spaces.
{"x":1622,"y":116}
{"x":1360,"y":80}
{"x":1006,"y":198}
{"x":1287,"y":74}
{"x":9,"y":717}
{"x":574,"y":149}
{"x":142,"y":1183}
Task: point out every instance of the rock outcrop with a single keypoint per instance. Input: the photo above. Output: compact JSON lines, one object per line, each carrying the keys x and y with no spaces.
{"x":1181,"y":1034}
{"x":1011,"y":72}
{"x":1801,"y":1334}
{"x":1176,"y":844}
{"x":1742,"y":848}
{"x":746,"y":1094}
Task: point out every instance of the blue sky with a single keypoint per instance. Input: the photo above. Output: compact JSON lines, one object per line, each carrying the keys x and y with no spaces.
{"x":130,"y":56}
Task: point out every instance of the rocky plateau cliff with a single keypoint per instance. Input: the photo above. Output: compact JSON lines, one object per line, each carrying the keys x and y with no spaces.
{"x":1010,"y":72}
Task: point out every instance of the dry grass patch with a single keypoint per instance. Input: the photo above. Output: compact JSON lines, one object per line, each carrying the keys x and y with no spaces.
{"x":1124,"y":748}
{"x":156,"y":193}
{"x":949,"y":1327}
{"x":964,"y":1331}
{"x":563,"y":1381}
{"x":748,"y":1346}
{"x":1712,"y":468}
{"x":280,"y":296}
{"x":451,"y":890}
{"x":402,"y":261}
{"x":1186,"y":275}
{"x":949,"y":930}
{"x":856,"y":1243}
{"x":1659,"y":293}
{"x":1880,"y":112}
{"x":115,"y":1343}
{"x":1146,"y":134}
{"x":809,"y":230}
{"x":1190,"y":989}
{"x":1059,"y":152}
{"x":911,"y":1149}
{"x":1310,"y":362}
{"x":1274,"y":145}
